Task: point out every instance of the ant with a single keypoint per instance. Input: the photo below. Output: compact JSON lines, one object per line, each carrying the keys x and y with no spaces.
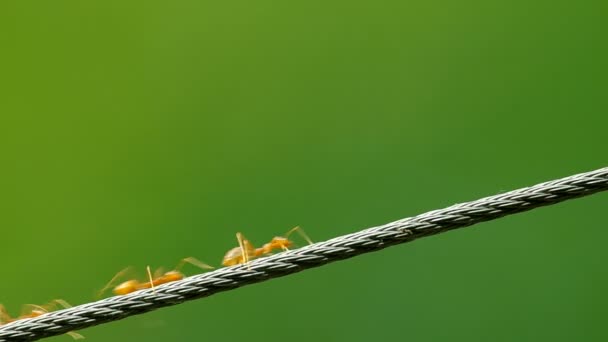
{"x":37,"y":310}
{"x":246,"y":251}
{"x":159,"y":278}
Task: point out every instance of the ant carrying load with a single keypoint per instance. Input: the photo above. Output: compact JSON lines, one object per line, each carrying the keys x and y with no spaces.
{"x":246,"y":251}
{"x":157,"y":279}
{"x":32,"y":310}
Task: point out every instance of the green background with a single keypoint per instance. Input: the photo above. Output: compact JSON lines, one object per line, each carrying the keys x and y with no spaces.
{"x":139,"y":133}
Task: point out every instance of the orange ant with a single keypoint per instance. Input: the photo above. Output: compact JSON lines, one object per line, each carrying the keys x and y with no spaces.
{"x":35,"y":311}
{"x":159,"y":278}
{"x":245,"y":251}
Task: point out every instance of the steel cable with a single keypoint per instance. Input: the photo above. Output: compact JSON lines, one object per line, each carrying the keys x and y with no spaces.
{"x":317,"y":254}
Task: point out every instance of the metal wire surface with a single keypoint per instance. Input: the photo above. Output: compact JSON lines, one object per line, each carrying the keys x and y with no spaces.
{"x":284,"y":263}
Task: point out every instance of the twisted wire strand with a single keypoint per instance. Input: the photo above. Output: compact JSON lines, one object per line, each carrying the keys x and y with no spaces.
{"x":284,"y":263}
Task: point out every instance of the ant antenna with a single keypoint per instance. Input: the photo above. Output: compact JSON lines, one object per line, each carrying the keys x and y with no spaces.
{"x":301,"y":232}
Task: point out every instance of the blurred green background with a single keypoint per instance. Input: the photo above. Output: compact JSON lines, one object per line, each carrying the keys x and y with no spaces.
{"x":136,"y":133}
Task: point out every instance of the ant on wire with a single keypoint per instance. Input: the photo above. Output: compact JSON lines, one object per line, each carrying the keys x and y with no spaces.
{"x":159,"y":278}
{"x":32,"y":310}
{"x":246,"y":251}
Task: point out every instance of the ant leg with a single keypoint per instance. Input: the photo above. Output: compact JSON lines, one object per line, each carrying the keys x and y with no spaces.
{"x":63,"y":303}
{"x":301,"y":232}
{"x":193,"y":261}
{"x":113,"y":281}
{"x":158,"y":273}
{"x":4,"y":316}
{"x":151,"y":280}
{"x":74,"y":335}
{"x":28,"y":309}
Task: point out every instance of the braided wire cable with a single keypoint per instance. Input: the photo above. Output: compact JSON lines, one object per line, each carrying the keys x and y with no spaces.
{"x":317,"y":254}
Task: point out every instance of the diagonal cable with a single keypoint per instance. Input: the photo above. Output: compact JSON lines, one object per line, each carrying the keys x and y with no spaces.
{"x":284,"y":263}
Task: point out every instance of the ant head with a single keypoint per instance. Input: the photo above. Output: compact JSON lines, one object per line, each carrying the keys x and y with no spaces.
{"x":126,"y":287}
{"x":281,"y":242}
{"x":37,"y":312}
